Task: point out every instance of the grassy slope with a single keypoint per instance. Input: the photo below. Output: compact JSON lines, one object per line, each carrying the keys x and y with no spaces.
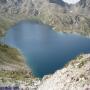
{"x":12,"y":64}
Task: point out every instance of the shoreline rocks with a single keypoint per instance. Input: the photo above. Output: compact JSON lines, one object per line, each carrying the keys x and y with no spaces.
{"x":75,"y":76}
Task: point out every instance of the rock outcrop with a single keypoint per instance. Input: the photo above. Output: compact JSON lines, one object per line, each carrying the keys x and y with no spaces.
{"x":74,"y":76}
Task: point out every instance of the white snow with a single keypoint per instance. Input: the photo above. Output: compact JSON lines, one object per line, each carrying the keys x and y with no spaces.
{"x":71,"y":1}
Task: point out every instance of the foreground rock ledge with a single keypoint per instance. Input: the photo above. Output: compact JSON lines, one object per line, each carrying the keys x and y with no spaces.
{"x":74,"y":76}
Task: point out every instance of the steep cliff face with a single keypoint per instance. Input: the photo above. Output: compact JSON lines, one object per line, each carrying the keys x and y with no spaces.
{"x":75,"y":76}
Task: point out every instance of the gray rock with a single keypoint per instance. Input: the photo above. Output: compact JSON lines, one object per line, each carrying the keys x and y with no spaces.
{"x":75,"y":76}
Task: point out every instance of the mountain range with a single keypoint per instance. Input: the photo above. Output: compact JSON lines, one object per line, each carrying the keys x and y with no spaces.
{"x":70,"y":18}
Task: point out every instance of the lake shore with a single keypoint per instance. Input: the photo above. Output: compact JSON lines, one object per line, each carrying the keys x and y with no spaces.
{"x":8,"y":22}
{"x":74,"y":19}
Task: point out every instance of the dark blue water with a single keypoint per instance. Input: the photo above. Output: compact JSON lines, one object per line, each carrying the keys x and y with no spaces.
{"x":45,"y":50}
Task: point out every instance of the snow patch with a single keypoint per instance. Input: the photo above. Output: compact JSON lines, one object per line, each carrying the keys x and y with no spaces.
{"x":71,"y":1}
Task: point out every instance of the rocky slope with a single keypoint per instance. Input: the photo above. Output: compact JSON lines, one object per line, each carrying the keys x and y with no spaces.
{"x":14,"y":71}
{"x":11,"y":59}
{"x":62,"y":16}
{"x":75,"y":76}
